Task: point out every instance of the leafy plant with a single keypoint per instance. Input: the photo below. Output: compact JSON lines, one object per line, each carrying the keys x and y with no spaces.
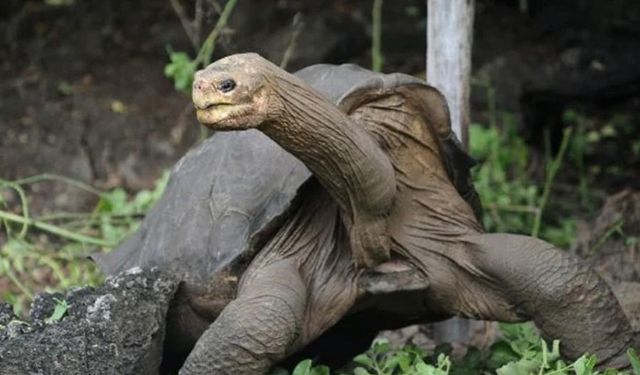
{"x":181,"y":67}
{"x":377,"y":58}
{"x":520,"y":351}
{"x":52,"y":250}
{"x":635,"y":361}
{"x":513,"y":201}
{"x":306,"y":368}
{"x":502,"y":179}
{"x":380,"y":359}
{"x":552,"y":168}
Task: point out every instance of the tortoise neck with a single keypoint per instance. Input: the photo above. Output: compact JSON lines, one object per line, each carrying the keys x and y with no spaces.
{"x":341,"y":154}
{"x":313,"y":130}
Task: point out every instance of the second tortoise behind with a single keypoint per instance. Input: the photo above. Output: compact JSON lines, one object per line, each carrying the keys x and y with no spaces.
{"x":390,"y":188}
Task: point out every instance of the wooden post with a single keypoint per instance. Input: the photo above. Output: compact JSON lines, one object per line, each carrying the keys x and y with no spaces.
{"x":449,"y":41}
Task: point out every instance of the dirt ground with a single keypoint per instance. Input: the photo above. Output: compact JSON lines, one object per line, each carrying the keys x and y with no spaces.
{"x":83,"y":94}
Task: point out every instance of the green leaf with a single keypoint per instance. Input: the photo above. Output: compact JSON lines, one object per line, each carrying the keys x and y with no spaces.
{"x":181,"y":69}
{"x":500,"y":354}
{"x":585,"y":365}
{"x":425,"y":369}
{"x":546,"y":355}
{"x":521,"y":367}
{"x":635,"y":361}
{"x":523,"y":338}
{"x":390,"y":364}
{"x":473,"y":358}
{"x":58,"y":312}
{"x":444,"y":363}
{"x":145,"y":199}
{"x":395,"y":361}
{"x":580,"y":366}
{"x":364,"y":359}
{"x":360,"y":371}
{"x":320,"y":370}
{"x":303,"y":368}
{"x":404,"y":361}
{"x":381,"y":346}
{"x":65,"y":88}
{"x":114,"y":201}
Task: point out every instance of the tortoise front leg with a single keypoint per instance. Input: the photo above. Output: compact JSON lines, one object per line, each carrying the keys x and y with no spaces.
{"x":513,"y":278}
{"x":257,"y":329}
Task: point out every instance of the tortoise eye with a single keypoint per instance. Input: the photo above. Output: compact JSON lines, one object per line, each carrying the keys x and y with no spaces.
{"x":227,"y":85}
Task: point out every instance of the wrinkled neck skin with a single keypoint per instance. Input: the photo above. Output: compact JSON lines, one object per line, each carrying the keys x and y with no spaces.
{"x":342,"y":155}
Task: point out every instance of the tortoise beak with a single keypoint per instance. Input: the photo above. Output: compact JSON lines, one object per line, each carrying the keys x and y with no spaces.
{"x":204,"y":94}
{"x":210,"y":114}
{"x":211,"y":108}
{"x":224,"y":116}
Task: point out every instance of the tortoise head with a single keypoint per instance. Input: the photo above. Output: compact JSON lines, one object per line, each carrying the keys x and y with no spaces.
{"x":233,"y":93}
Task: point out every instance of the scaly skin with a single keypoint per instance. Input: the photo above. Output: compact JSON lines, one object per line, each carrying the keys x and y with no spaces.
{"x":485,"y":276}
{"x":342,"y":155}
{"x":304,"y":280}
{"x":256,"y":329}
{"x":298,"y":286}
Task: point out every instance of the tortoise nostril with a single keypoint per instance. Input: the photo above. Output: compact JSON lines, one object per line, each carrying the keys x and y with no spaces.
{"x":200,"y":84}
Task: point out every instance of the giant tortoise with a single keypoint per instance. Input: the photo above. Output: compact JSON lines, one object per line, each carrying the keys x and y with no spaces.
{"x":343,"y":196}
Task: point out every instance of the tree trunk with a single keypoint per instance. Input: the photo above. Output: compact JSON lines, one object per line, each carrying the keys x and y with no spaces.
{"x":449,"y":41}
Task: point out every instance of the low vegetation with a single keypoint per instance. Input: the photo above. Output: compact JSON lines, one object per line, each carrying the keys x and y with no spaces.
{"x":50,"y":252}
{"x":520,"y":351}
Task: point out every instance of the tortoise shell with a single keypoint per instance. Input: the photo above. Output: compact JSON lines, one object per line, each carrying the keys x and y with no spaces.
{"x":231,"y":192}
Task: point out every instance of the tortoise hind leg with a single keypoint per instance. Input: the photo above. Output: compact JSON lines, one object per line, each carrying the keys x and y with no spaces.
{"x":257,"y":329}
{"x":511,"y":277}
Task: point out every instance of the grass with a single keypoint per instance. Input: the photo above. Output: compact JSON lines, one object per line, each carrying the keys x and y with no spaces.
{"x":51,"y":252}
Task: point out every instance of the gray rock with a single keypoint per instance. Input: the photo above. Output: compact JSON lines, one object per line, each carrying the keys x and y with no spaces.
{"x":117,"y":328}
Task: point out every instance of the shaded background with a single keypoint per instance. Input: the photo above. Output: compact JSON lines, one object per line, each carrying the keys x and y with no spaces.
{"x":63,"y":68}
{"x":83,"y":93}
